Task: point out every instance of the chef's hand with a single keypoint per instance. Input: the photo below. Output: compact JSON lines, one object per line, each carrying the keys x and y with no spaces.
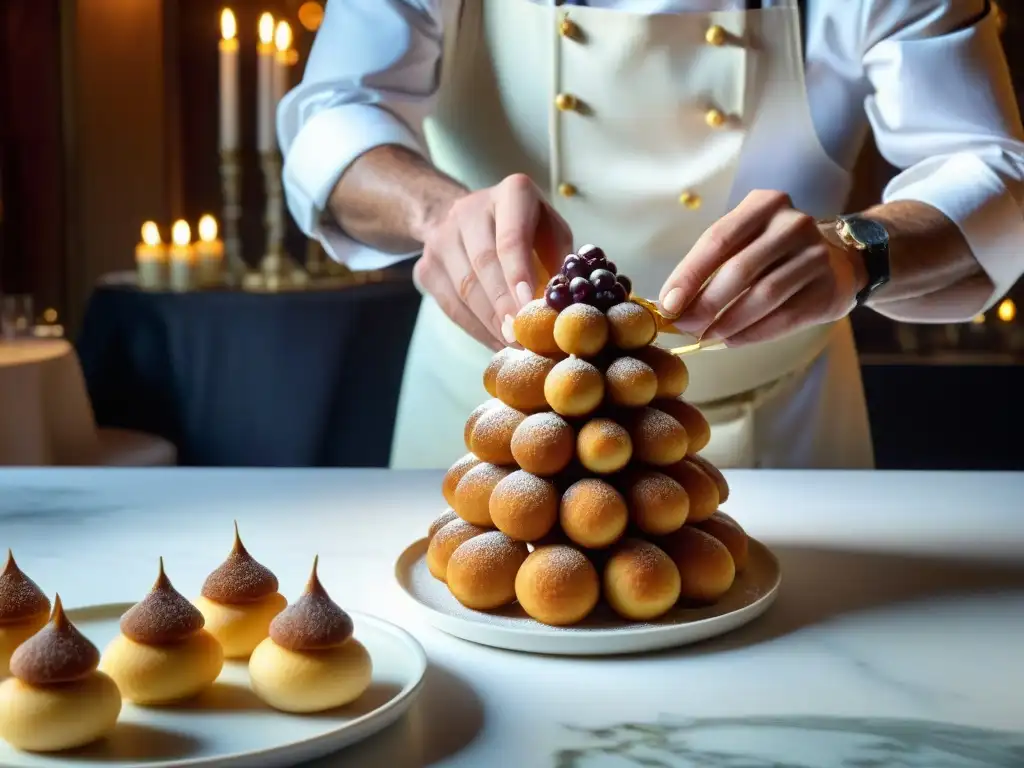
{"x":477,"y":259}
{"x":776,"y":272}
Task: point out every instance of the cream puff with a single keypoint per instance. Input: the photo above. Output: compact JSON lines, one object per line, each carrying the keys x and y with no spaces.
{"x":311,"y":662}
{"x":574,"y":387}
{"x":56,"y":699}
{"x":706,"y":569}
{"x":581,"y":330}
{"x":440,"y":522}
{"x":640,"y":580}
{"x":24,"y":610}
{"x":534,"y":328}
{"x":238,"y":601}
{"x":521,"y":382}
{"x":524,"y":506}
{"x":482,"y":571}
{"x":543,"y":444}
{"x":593,"y":514}
{"x":631,"y":326}
{"x":604,"y":446}
{"x":557,"y":585}
{"x":163,"y":653}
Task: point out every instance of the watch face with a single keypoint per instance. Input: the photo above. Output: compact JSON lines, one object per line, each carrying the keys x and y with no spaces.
{"x":869,"y":232}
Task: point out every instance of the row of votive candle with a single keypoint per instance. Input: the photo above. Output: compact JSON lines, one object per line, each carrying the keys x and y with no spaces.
{"x":183,"y":265}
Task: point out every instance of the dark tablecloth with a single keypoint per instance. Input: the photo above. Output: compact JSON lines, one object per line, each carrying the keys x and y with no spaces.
{"x":241,"y":379}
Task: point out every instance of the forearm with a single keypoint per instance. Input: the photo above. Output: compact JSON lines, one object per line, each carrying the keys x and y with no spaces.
{"x":932,"y":267}
{"x":389,"y":197}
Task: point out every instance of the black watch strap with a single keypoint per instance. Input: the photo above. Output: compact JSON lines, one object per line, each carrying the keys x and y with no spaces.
{"x":871,"y":240}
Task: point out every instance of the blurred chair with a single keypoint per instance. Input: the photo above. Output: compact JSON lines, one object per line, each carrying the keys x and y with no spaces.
{"x":46,"y":418}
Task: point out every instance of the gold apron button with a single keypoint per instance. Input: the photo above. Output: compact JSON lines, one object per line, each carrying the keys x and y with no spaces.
{"x":716,"y":35}
{"x":567,"y":28}
{"x":566,"y":102}
{"x":566,"y":190}
{"x":690,"y":200}
{"x":715,"y":118}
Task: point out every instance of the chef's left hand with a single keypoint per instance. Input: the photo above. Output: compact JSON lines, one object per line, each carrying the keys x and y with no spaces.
{"x":776,"y":273}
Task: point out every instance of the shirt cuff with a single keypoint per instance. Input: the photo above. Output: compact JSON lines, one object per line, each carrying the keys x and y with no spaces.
{"x":974,"y":197}
{"x":327,"y":144}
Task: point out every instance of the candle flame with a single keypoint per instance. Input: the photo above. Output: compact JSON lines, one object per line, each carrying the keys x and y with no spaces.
{"x":228,"y":25}
{"x":266,"y":29}
{"x":150,"y":233}
{"x":207,"y":229}
{"x":283,"y":36}
{"x":1007,"y":310}
{"x":181,"y":234}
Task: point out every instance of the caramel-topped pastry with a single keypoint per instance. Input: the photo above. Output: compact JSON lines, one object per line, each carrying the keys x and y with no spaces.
{"x":24,"y":609}
{"x":163,"y":616}
{"x":311,"y":662}
{"x":56,"y":699}
{"x":239,"y":600}
{"x":163,"y":654}
{"x":58,"y":653}
{"x":314,"y":622}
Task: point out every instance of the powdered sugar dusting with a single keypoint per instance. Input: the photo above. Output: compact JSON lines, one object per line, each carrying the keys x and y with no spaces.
{"x":547,"y":427}
{"x":457,"y":530}
{"x":528,"y":489}
{"x":630,"y":369}
{"x":521,"y":380}
{"x":654,"y":427}
{"x":493,"y":546}
{"x":656,"y":488}
{"x":607,"y":431}
{"x":497,"y":424}
{"x":646,"y":558}
{"x":440,"y":521}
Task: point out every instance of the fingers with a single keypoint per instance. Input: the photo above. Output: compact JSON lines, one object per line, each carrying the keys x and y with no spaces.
{"x":804,"y":308}
{"x":771,"y":292}
{"x":433,"y":277}
{"x":787,"y":233}
{"x":552,"y":241}
{"x":477,"y":237}
{"x":721,"y":240}
{"x":517,"y":211}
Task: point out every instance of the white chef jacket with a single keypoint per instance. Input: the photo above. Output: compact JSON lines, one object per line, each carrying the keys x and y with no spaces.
{"x":940,"y":108}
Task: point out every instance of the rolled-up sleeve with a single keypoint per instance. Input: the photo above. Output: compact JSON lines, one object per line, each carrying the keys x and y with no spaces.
{"x":943,"y":109}
{"x":371,"y":79}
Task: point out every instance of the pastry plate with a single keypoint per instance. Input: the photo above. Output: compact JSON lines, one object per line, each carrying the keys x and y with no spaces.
{"x":601,"y":633}
{"x":229,"y":726}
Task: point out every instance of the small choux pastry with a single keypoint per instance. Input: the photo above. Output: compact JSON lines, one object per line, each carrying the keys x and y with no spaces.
{"x":521,"y":381}
{"x":581,"y":330}
{"x":715,"y":474}
{"x":543,"y":444}
{"x":631,"y":326}
{"x":447,"y":540}
{"x":701,"y":489}
{"x":311,"y":662}
{"x":729,"y":532}
{"x":574,"y":387}
{"x":455,"y":474}
{"x":163,"y":654}
{"x":238,"y":601}
{"x":56,"y":699}
{"x":493,"y":367}
{"x":441,"y":521}
{"x":630,"y":382}
{"x":658,"y":438}
{"x":524,"y":506}
{"x":557,"y":585}
{"x":534,"y":328}
{"x":24,"y":610}
{"x":491,"y":440}
{"x":473,"y":493}
{"x":671,"y":372}
{"x":593,"y":514}
{"x":604,"y":446}
{"x":482,"y":571}
{"x":697,"y":428}
{"x":706,"y":569}
{"x":657,"y":503}
{"x":474,"y":417}
{"x":640,"y":580}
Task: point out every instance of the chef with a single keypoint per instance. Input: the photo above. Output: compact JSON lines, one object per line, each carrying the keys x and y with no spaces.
{"x":705,"y":146}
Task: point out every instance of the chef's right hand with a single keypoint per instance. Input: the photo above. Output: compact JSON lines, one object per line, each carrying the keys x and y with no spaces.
{"x":477,"y":258}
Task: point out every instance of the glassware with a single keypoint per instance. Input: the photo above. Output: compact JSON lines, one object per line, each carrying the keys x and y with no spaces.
{"x":17,"y":317}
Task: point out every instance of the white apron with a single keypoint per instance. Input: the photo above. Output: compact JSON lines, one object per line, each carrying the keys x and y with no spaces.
{"x":639,"y":169}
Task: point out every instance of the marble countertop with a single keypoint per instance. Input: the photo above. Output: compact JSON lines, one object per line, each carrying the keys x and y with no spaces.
{"x":895,"y":641}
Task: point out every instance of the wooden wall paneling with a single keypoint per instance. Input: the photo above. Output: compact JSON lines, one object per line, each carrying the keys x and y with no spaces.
{"x":31,"y":151}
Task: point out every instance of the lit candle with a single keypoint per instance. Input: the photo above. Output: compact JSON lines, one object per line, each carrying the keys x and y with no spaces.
{"x":282,"y":60}
{"x":182,"y":256}
{"x":210,"y":252}
{"x":229,"y":109}
{"x":265,"y":104}
{"x":151,"y":258}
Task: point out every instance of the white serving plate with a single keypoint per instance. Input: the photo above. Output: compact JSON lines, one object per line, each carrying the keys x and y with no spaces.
{"x":229,"y":726}
{"x":602,"y":633}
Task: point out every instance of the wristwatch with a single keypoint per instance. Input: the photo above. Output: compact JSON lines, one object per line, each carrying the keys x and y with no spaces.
{"x":871,"y":240}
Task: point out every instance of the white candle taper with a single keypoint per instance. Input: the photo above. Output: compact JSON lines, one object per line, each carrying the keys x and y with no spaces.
{"x":265,"y":102}
{"x":229,"y":82}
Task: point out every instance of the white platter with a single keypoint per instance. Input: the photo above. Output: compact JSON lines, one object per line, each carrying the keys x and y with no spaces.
{"x":229,"y":726}
{"x":602,"y":633}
